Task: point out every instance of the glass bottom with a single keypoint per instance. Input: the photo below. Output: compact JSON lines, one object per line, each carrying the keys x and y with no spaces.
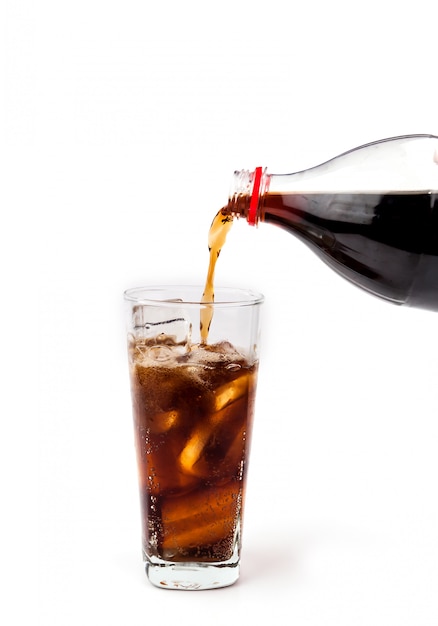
{"x":191,"y":576}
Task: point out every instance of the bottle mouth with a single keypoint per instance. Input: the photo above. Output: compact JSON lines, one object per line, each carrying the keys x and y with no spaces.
{"x":251,"y":185}
{"x":241,"y":184}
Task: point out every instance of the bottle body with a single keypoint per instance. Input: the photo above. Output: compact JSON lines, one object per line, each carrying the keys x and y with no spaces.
{"x":370,"y":214}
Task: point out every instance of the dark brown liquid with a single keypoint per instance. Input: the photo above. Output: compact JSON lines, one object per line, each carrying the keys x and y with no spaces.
{"x":384,"y":243}
{"x":193,"y":419}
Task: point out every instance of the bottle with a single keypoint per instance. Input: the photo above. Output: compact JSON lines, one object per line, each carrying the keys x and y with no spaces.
{"x":371,"y":214}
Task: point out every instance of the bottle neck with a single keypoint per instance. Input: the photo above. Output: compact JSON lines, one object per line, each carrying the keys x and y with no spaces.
{"x":247,"y":189}
{"x":408,"y":163}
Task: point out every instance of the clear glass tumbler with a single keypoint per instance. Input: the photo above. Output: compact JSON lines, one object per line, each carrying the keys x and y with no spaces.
{"x":193,"y":405}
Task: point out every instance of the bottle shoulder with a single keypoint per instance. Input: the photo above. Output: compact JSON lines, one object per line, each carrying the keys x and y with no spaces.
{"x":405,"y":163}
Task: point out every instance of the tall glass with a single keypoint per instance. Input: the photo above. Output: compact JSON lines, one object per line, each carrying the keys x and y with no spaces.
{"x":193,"y":405}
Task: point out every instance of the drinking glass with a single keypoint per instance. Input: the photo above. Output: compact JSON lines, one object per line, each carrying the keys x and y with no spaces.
{"x":193,"y":405}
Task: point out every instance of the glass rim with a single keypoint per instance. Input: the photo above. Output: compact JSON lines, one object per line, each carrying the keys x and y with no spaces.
{"x":223,"y":296}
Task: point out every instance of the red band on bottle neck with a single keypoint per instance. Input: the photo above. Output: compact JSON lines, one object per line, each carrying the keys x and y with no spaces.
{"x":253,"y":203}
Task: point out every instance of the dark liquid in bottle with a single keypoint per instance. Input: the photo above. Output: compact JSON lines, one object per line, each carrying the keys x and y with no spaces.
{"x":387,"y":243}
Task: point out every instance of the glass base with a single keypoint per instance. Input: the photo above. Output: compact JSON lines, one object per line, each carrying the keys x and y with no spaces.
{"x":191,"y":576}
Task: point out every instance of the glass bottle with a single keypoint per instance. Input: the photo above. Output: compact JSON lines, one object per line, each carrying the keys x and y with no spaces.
{"x":371,"y":214}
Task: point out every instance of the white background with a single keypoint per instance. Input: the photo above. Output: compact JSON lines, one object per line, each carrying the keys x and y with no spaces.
{"x":121,"y":125}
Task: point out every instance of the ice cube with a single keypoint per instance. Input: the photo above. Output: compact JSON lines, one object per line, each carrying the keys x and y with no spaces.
{"x":160,"y":353}
{"x":193,"y":449}
{"x":225,"y":348}
{"x":201,"y":518}
{"x":230,"y":392}
{"x":149,"y":323}
{"x":220,"y":346}
{"x":215,"y":448}
{"x":163,"y":422}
